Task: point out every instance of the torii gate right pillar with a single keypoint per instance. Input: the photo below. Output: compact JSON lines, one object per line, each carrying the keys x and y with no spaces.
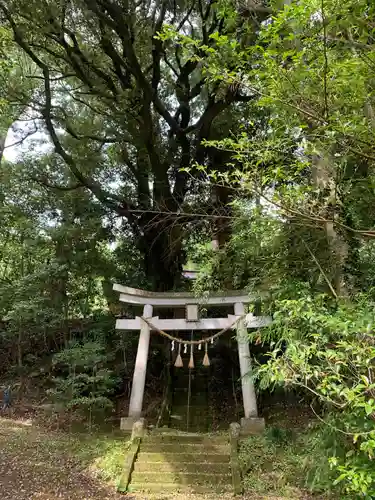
{"x":248,"y":389}
{"x":251,"y":423}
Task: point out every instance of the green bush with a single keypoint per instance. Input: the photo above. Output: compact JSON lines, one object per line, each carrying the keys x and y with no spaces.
{"x":84,"y":380}
{"x":327,"y":347}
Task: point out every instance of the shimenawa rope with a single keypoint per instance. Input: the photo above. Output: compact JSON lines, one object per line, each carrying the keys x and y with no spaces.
{"x":192,"y":342}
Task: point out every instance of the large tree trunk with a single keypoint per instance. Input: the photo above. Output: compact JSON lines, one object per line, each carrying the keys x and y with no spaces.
{"x":161,"y":246}
{"x":324,"y":179}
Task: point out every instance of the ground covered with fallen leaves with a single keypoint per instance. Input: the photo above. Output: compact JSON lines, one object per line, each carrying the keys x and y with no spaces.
{"x":36,"y":464}
{"x":39,"y":463}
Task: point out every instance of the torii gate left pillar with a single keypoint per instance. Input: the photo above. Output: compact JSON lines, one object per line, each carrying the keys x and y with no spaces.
{"x":140,"y":369}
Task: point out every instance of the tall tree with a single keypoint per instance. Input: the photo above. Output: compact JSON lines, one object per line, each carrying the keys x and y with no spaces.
{"x":16,"y":87}
{"x":313,"y":69}
{"x":128,"y":108}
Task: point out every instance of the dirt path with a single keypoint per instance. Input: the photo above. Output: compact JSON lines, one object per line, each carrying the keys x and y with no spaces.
{"x":40,"y":464}
{"x":34,"y":465}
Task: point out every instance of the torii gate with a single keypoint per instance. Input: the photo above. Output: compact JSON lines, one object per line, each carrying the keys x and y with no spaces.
{"x":171,"y":300}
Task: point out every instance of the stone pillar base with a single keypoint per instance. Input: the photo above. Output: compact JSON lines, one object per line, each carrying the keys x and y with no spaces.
{"x":252,"y":425}
{"x":126,"y":423}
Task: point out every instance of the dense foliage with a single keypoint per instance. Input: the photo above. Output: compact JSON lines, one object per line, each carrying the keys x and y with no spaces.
{"x":327,"y":348}
{"x":304,"y":227}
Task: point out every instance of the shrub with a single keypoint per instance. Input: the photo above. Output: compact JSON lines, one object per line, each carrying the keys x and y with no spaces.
{"x":327,"y":347}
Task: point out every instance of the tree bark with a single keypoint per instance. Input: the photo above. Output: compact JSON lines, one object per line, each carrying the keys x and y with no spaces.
{"x":2,"y":145}
{"x":324,"y":180}
{"x":161,"y":246}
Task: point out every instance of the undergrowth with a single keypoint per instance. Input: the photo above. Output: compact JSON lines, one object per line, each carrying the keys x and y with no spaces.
{"x":103,"y":455}
{"x":288,"y":463}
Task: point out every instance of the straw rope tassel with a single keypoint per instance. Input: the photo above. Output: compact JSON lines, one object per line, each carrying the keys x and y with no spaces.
{"x":178,"y":362}
{"x":206,"y":359}
{"x":191,"y":361}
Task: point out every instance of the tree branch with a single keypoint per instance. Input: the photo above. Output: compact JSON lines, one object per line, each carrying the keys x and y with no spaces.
{"x":157,"y":48}
{"x":321,"y":270}
{"x":325,"y":69}
{"x":110,"y":200}
{"x":97,"y":138}
{"x":44,"y":182}
{"x":120,"y":25}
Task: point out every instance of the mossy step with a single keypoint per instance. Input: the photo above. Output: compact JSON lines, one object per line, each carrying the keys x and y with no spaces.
{"x":176,"y":488}
{"x":191,"y":467}
{"x":192,"y":427}
{"x":193,"y":421}
{"x":202,"y":458}
{"x":183,"y":416}
{"x":182,"y":408}
{"x":185,"y":447}
{"x":184,"y":478}
{"x":180,"y":398}
{"x":170,"y":431}
{"x":185,"y":388}
{"x":192,"y":417}
{"x":183,"y":412}
{"x":195,"y":428}
{"x":187,"y":438}
{"x":180,"y":415}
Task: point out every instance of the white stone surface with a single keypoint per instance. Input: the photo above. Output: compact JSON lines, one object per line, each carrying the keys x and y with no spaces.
{"x":139,"y":376}
{"x":204,"y":324}
{"x":170,"y":299}
{"x":248,"y":389}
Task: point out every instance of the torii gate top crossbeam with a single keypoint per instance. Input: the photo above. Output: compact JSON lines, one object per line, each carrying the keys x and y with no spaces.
{"x":171,"y":299}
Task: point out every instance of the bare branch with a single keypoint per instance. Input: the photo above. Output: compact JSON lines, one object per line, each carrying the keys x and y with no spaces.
{"x":23,"y":139}
{"x":96,"y":138}
{"x":325,"y":69}
{"x":44,"y":182}
{"x":321,"y":270}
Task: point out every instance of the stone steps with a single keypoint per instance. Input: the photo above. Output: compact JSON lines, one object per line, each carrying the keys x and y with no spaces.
{"x":191,"y":438}
{"x":192,"y":407}
{"x":182,"y":462}
{"x":198,"y":412}
{"x":183,"y":467}
{"x":182,"y":457}
{"x":198,"y":417}
{"x":199,"y":420}
{"x":182,"y":413}
{"x":182,"y":410}
{"x":191,"y":428}
{"x":182,"y":478}
{"x":173,"y":488}
{"x":200,"y":426}
{"x":185,"y":447}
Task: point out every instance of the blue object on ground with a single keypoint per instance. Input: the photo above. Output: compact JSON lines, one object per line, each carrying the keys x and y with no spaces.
{"x":6,"y":398}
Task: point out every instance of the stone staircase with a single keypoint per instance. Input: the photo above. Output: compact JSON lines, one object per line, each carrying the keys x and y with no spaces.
{"x":190,"y":413}
{"x":183,"y":457}
{"x":178,"y":462}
